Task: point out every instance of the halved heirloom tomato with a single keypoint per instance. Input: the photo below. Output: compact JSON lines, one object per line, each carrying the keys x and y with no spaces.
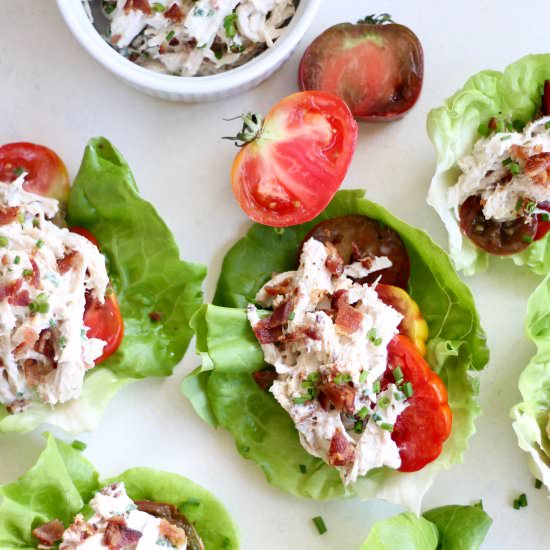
{"x":413,"y":324}
{"x":292,"y":164}
{"x":47,"y":175}
{"x":424,"y":426}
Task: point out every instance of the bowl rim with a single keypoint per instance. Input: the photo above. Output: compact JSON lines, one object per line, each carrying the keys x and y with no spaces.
{"x":82,"y":28}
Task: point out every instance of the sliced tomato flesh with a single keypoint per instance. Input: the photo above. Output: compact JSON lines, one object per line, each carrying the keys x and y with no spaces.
{"x":290,"y":173}
{"x":424,"y":426}
{"x":104,"y":321}
{"x":543,"y":225}
{"x":46,"y":174}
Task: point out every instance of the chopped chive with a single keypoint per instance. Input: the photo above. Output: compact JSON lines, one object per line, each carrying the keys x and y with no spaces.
{"x":78,"y":445}
{"x":527,"y":239}
{"x":545,"y":217}
{"x":303,"y":468}
{"x":291,"y":316}
{"x":547,"y":125}
{"x":384,"y":402}
{"x":530,"y":207}
{"x":358,"y":427}
{"x":27,"y":272}
{"x":36,"y":222}
{"x":343,"y":378}
{"x":522,"y":499}
{"x":397,"y":374}
{"x":18,"y":171}
{"x":408,"y":389}
{"x":387,"y":427}
{"x":62,"y":341}
{"x":17,"y":260}
{"x":483,"y":130}
{"x":169,"y":36}
{"x":320,"y":524}
{"x":514,"y":168}
{"x":519,"y":204}
{"x":538,"y":483}
{"x":506,"y":138}
{"x":516,"y":505}
{"x":363,"y":377}
{"x":362,"y":413}
{"x":373,"y":337}
{"x":507,"y":161}
{"x":39,"y":243}
{"x":302,"y":400}
{"x":376,"y":417}
{"x":376,"y":386}
{"x":229,"y":25}
{"x":4,"y":242}
{"x":158,"y":7}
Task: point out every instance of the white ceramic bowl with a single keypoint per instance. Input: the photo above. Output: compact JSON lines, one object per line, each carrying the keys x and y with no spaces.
{"x":196,"y":88}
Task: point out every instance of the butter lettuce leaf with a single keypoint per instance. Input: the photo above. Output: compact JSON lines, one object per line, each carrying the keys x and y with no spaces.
{"x":224,"y":394}
{"x":62,"y":482}
{"x":453,"y":130}
{"x":531,"y":416}
{"x":147,"y":275}
{"x":445,"y":528}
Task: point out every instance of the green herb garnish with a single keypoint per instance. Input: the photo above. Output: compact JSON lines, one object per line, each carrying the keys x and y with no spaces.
{"x":320,"y":524}
{"x":229,"y":25}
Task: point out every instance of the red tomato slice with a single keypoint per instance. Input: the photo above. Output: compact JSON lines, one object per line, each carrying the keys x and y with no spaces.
{"x":46,"y":173}
{"x":291,"y":171}
{"x":423,"y":427}
{"x":104,"y":321}
{"x":543,"y":227}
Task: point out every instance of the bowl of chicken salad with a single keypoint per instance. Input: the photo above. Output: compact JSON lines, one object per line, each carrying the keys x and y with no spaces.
{"x":190,"y":50}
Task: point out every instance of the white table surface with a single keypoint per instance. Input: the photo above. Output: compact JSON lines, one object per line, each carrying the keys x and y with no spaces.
{"x":52,"y":92}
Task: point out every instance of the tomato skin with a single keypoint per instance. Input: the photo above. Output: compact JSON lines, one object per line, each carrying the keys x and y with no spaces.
{"x":423,"y":427}
{"x":543,"y":227}
{"x":104,"y":321}
{"x":289,"y":174}
{"x":46,"y":173}
{"x":377,"y":69}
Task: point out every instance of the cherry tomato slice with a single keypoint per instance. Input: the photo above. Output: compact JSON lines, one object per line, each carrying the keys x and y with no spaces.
{"x":46,"y":173}
{"x":424,"y":426}
{"x":370,"y":238}
{"x":543,"y":225}
{"x":104,"y":321}
{"x":289,"y":174}
{"x":376,"y":69}
{"x":499,"y":238}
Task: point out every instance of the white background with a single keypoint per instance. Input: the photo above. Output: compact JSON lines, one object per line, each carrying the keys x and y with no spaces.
{"x":52,"y":92}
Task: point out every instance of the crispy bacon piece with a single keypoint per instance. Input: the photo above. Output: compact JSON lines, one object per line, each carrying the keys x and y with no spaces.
{"x":280,"y":314}
{"x":49,"y":533}
{"x":334,"y":262}
{"x":519,"y":152}
{"x":27,"y":337}
{"x":176,"y":535}
{"x":35,"y":281}
{"x":18,"y":406}
{"x":141,"y":5}
{"x":35,"y":371}
{"x":22,"y":298}
{"x":67,"y":262}
{"x":266,"y":334}
{"x":348,"y":319}
{"x":537,"y":167}
{"x":8,"y":214}
{"x":174,"y":13}
{"x":10,"y":290}
{"x":340,"y":396}
{"x":282,"y":288}
{"x":264,"y":378}
{"x":44,"y":345}
{"x":341,"y":451}
{"x":117,"y":536}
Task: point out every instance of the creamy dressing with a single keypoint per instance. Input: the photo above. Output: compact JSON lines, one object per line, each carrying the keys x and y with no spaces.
{"x":195,"y":37}
{"x":113,"y":503}
{"x":488,"y":172}
{"x":44,"y":347}
{"x":324,"y":352}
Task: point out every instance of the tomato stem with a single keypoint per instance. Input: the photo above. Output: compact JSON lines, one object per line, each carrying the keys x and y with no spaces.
{"x":252,"y":128}
{"x":374,"y":19}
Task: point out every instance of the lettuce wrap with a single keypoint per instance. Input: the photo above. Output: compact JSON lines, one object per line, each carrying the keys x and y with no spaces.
{"x":445,"y":528}
{"x":453,"y":129}
{"x":147,"y":276}
{"x":532,"y":414}
{"x":224,"y":393}
{"x":62,"y":482}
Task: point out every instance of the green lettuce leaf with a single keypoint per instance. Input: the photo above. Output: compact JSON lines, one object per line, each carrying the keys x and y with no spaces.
{"x":532,"y":414}
{"x":445,"y":528}
{"x":147,"y":275}
{"x":224,"y":394}
{"x":453,"y":129}
{"x":62,"y":482}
